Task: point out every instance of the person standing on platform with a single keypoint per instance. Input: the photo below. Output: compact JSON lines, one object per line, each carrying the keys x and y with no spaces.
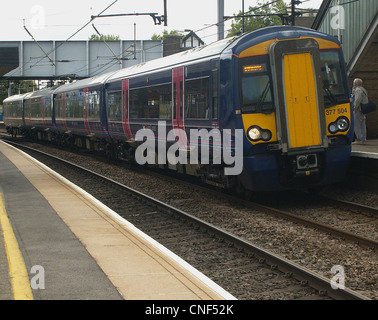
{"x":359,"y":96}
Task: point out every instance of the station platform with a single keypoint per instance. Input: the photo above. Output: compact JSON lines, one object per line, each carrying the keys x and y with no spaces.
{"x":367,"y":150}
{"x":57,"y":242}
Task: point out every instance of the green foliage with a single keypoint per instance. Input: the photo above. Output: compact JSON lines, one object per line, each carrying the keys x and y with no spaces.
{"x":22,"y":86}
{"x":254,"y":23}
{"x":3,"y":90}
{"x":95,"y":37}
{"x":165,"y":34}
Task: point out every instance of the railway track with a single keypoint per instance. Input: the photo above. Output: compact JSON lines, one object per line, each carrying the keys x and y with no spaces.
{"x":244,"y":269}
{"x":276,"y":210}
{"x":335,"y":231}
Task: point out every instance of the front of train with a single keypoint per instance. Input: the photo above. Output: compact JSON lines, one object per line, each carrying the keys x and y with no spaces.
{"x":291,"y":97}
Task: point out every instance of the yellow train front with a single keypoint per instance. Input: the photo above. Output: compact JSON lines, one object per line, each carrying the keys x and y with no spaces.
{"x":291,"y":96}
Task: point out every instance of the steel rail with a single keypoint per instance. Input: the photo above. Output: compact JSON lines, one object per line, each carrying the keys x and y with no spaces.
{"x":351,"y":205}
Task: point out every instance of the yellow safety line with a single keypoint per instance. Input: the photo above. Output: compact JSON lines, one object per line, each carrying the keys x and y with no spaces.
{"x":17,"y":269}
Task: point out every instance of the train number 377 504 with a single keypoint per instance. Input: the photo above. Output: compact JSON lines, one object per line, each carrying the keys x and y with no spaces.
{"x":336,"y":111}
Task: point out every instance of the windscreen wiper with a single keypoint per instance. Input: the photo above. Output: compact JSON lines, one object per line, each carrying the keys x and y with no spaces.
{"x":331,"y":97}
{"x":263,"y":96}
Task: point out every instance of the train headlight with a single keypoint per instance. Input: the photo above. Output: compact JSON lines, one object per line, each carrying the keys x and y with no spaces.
{"x":341,"y":124}
{"x":255,"y":133}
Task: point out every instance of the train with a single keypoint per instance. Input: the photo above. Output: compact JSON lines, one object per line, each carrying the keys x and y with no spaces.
{"x":280,"y":93}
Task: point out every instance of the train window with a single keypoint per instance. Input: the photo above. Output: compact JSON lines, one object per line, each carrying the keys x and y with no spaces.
{"x":215,"y":95}
{"x":114,"y":105}
{"x":151,"y":102}
{"x":333,"y":75}
{"x":255,"y":85}
{"x":197,"y":98}
{"x":48,"y":107}
{"x":74,"y":105}
{"x":58,"y":106}
{"x":256,"y":93}
{"x":36,"y":108}
{"x":161,"y":97}
{"x":14,"y":110}
{"x":93,"y":107}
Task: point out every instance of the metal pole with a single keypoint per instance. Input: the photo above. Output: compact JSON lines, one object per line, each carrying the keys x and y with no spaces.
{"x":9,"y":88}
{"x":135,"y":41}
{"x":338,"y":25}
{"x":220,"y":19}
{"x":165,"y":13}
{"x":243,"y":27}
{"x":293,"y":12}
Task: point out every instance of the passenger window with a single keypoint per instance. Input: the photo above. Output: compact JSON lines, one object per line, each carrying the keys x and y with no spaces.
{"x":151,"y":102}
{"x":93,"y":104}
{"x":114,"y":105}
{"x":47,"y":107}
{"x":197,"y":100}
{"x":75,"y":105}
{"x":59,"y":106}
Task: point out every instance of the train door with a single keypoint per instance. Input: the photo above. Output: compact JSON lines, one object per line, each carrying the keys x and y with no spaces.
{"x":301,"y":120}
{"x":178,"y":105}
{"x":44,"y":116}
{"x":125,"y":117}
{"x":86,"y":121}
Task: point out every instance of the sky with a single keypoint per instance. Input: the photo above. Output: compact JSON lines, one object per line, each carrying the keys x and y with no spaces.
{"x":60,"y":20}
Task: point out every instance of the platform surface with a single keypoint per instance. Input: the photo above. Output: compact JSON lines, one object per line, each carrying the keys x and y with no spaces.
{"x":86,"y":251}
{"x":367,"y":150}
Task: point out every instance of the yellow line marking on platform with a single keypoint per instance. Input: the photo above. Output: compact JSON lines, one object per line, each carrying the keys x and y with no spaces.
{"x":17,"y":269}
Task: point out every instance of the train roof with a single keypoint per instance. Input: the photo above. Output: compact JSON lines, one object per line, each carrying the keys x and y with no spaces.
{"x":215,"y":49}
{"x":16,"y":97}
{"x":212,"y":50}
{"x":42,"y":92}
{"x":84,"y":83}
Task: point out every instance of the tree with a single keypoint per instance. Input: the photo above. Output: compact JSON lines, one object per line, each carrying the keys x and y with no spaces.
{"x":254,"y":23}
{"x":95,"y":37}
{"x":3,"y":90}
{"x":165,"y":34}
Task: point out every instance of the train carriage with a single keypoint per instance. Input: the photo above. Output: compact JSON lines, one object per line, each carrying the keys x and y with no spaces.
{"x":38,"y":107}
{"x":284,"y":88}
{"x":293,"y":99}
{"x":14,"y":113}
{"x":79,"y":110}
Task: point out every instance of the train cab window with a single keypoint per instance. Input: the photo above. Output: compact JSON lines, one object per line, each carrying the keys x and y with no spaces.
{"x":333,"y":76}
{"x":197,"y":99}
{"x":256,"y":88}
{"x":114,"y":105}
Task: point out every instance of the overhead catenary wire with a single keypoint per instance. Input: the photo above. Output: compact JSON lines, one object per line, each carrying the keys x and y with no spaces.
{"x":38,"y":44}
{"x":65,"y":41}
{"x":117,"y":59}
{"x":103,"y":39}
